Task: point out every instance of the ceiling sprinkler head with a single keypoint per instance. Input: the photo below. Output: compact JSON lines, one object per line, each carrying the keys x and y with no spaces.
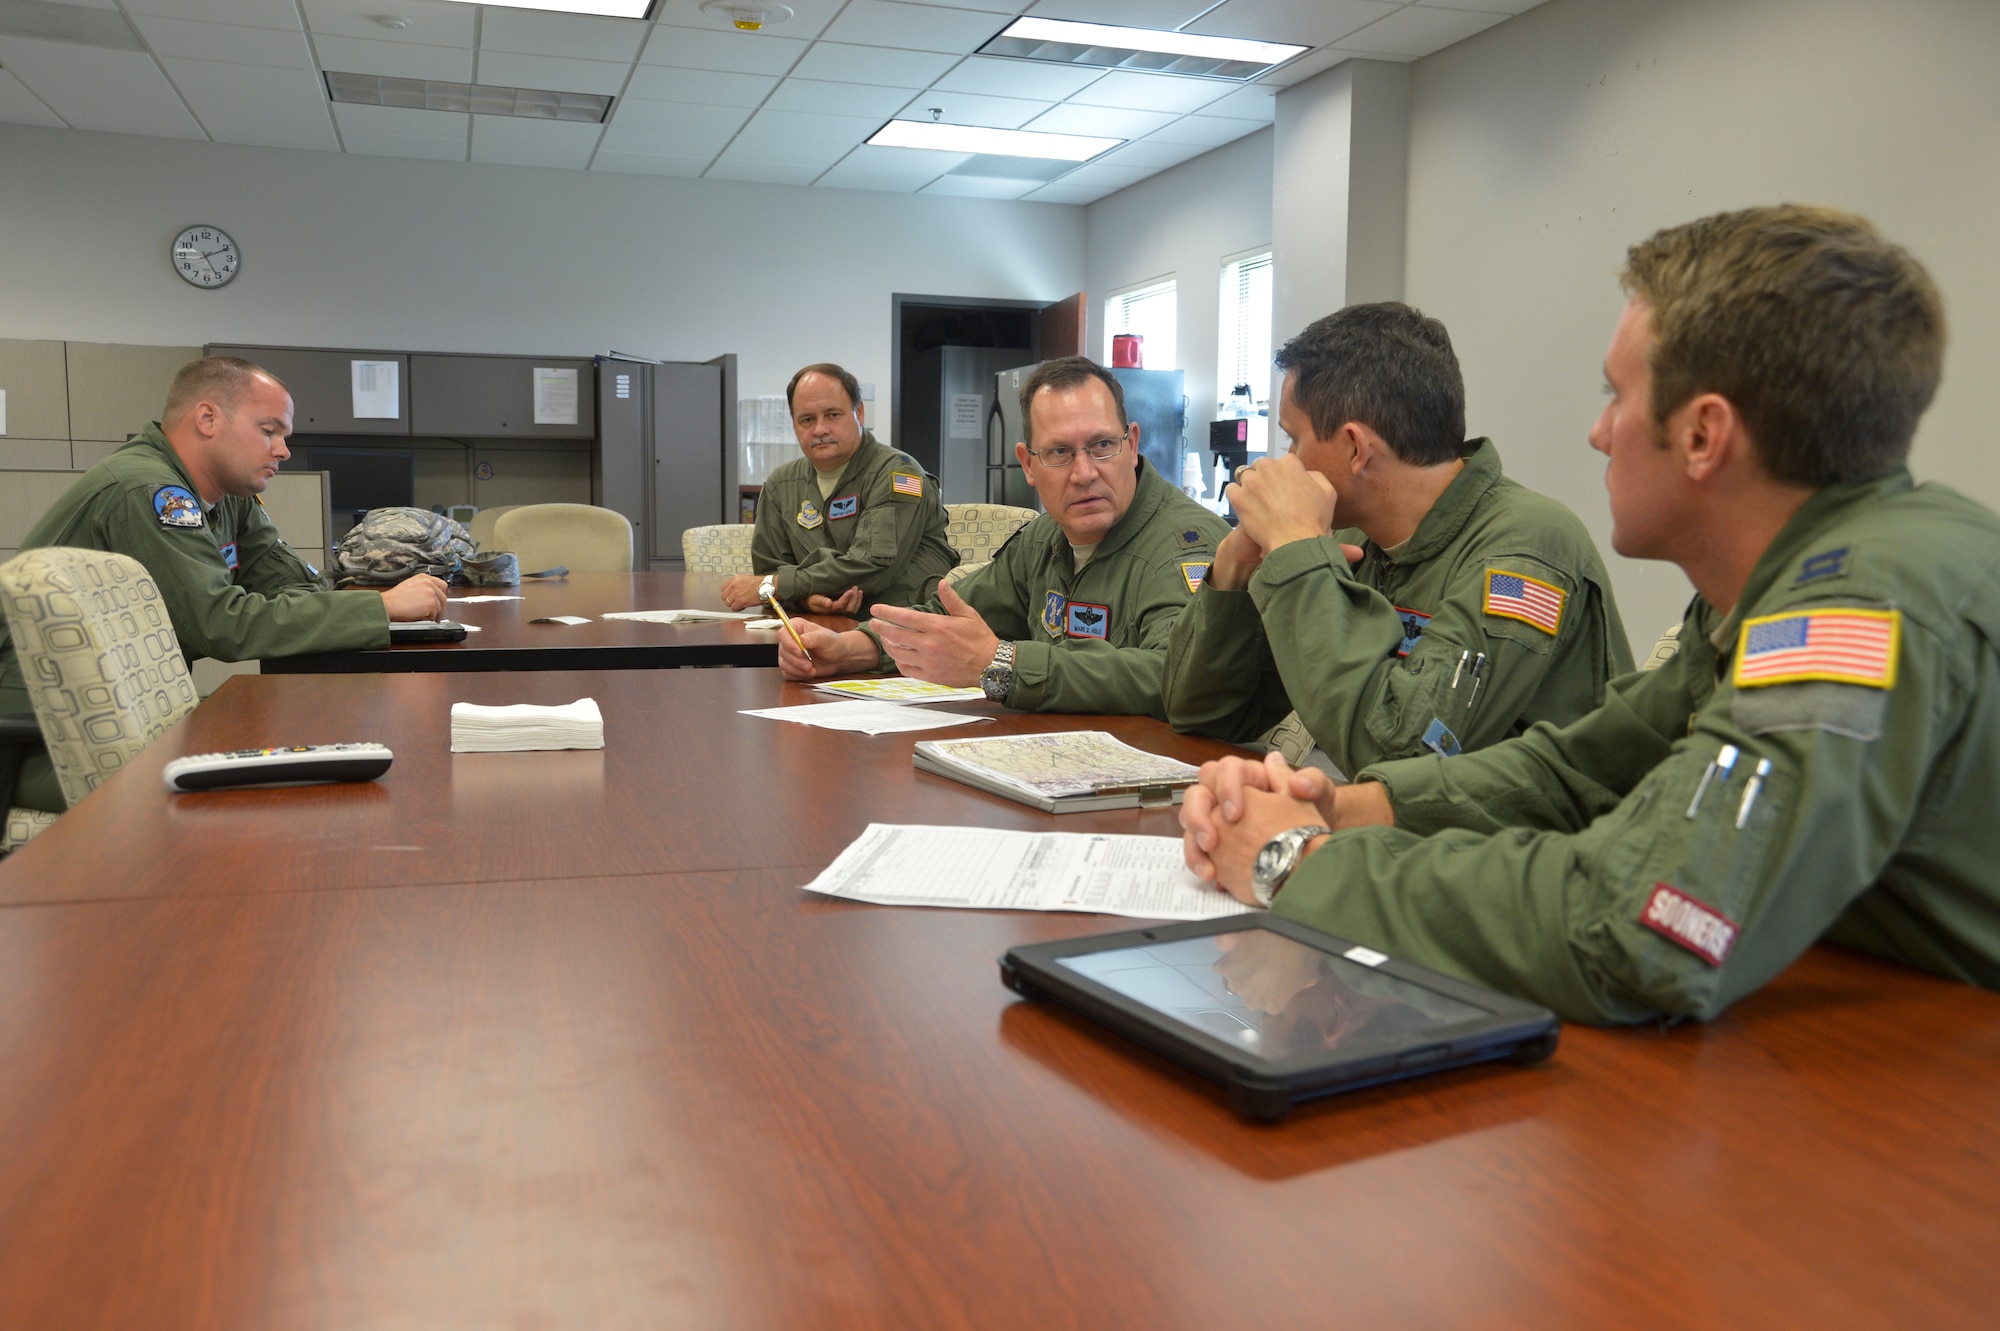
{"x":937,"y":113}
{"x":749,"y":15}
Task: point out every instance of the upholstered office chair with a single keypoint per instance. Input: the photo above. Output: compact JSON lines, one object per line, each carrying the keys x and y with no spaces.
{"x":581,"y":537}
{"x":482,"y":522}
{"x":976,"y":531}
{"x":720,"y":549}
{"x":103,"y":667}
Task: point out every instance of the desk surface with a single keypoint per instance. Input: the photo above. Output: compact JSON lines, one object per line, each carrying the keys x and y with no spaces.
{"x":485,"y":1045}
{"x":508,"y":641}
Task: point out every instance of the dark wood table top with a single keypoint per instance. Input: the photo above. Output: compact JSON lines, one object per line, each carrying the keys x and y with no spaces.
{"x":707,"y":1100}
{"x":683,"y":783}
{"x":507,"y":640}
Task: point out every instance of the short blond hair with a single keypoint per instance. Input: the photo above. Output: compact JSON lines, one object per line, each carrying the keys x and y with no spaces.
{"x":1827,"y":339}
{"x":222,"y":380}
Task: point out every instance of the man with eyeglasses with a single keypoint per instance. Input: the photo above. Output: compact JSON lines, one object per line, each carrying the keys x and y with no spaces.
{"x":1474,"y":608}
{"x":1074,"y":612}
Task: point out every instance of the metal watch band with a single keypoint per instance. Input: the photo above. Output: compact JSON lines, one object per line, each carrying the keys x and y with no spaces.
{"x":768,"y":588}
{"x":1275,"y":862}
{"x":997,"y":680}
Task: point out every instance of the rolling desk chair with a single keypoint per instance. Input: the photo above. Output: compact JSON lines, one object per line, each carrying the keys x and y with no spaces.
{"x":580,"y":537}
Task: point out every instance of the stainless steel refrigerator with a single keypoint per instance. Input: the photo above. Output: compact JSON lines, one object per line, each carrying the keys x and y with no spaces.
{"x":1156,"y":399}
{"x":947,"y":396}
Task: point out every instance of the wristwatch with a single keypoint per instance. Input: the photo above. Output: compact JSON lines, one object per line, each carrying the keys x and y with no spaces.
{"x":768,"y":588}
{"x":1281,"y":855}
{"x":997,"y":680}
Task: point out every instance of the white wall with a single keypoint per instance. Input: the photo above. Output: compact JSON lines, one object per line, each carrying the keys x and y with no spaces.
{"x":380,"y":252}
{"x":1543,"y":147}
{"x":1182,"y":222}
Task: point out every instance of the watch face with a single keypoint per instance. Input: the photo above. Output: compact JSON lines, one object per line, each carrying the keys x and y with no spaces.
{"x":205,"y":256}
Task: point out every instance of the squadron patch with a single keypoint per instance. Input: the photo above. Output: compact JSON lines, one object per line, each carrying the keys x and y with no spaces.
{"x":843,"y":507}
{"x":176,"y":507}
{"x":1194,"y":574}
{"x":229,"y":556}
{"x":906,"y":484}
{"x":1052,"y":613}
{"x":809,"y":514}
{"x":1439,"y":739}
{"x":1679,"y":918}
{"x":1530,"y":600}
{"x":1088,"y":621}
{"x":1825,"y":564}
{"x":1413,"y":629}
{"x":1840,"y":646}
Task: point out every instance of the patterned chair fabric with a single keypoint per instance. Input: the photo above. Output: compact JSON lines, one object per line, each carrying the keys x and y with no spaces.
{"x":581,"y":537}
{"x":976,"y":531}
{"x":959,"y":574}
{"x":22,"y":825}
{"x":719,"y":549}
{"x":103,"y":667}
{"x":1664,"y":649}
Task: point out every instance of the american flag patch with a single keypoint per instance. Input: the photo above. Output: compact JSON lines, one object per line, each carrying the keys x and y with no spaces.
{"x":1530,"y":600}
{"x":1844,"y":646}
{"x":905,"y":483}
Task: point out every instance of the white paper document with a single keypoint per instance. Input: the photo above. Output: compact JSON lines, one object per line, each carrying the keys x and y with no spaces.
{"x":475,"y":600}
{"x":571,"y":620}
{"x":679,"y":616}
{"x":376,"y":395}
{"x":981,"y":868}
{"x":870,"y":718}
{"x":555,"y":396}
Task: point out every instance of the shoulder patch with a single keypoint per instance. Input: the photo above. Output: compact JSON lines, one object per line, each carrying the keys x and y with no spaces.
{"x":1825,"y":564}
{"x":809,"y":514}
{"x":176,"y":507}
{"x":1054,"y":604}
{"x":1194,"y":573}
{"x":906,"y":484}
{"x":1679,"y":918}
{"x":1530,"y":600}
{"x":1845,"y":646}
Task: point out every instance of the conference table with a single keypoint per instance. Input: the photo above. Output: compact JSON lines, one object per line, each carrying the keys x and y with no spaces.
{"x":515,"y":628}
{"x":555,"y":1039}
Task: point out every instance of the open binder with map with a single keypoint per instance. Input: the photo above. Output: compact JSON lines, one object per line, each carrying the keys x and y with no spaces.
{"x":1065,"y":772}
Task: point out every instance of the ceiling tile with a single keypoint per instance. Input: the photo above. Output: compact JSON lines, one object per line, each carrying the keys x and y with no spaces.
{"x":18,"y":106}
{"x":1091,"y":173}
{"x":1314,"y":22}
{"x":1254,"y":102}
{"x":963,"y":108}
{"x":709,"y":87}
{"x":277,"y":108}
{"x":872,"y":64}
{"x":766,"y":173}
{"x":579,"y":36}
{"x":1007,"y":7}
{"x":1418,"y":31}
{"x":1071,"y":194}
{"x":809,"y":18}
{"x":92,"y":88}
{"x":818,"y":156}
{"x":1307,"y":65}
{"x":1204,"y":131}
{"x":1509,"y":7}
{"x":280,"y":14}
{"x":913,"y":27}
{"x":180,"y":39}
{"x":432,"y":22}
{"x":90,"y":4}
{"x":647,"y":164}
{"x":400,"y":145}
{"x":979,"y":187}
{"x":735,"y":52}
{"x":673,"y":129}
{"x":1018,"y":78}
{"x":1153,"y":92}
{"x":904,"y":169}
{"x":847,"y":99}
{"x":1167,"y":14}
{"x":1070,"y":118}
{"x":519,"y":142}
{"x":809,"y":127}
{"x":551,"y":73}
{"x":1151,"y":155}
{"x":403,"y":60}
{"x":403,"y":122}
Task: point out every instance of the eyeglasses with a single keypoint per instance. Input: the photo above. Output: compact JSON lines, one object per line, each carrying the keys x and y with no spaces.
{"x":1060,"y":456}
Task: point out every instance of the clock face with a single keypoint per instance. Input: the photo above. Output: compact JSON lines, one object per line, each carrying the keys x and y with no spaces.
{"x":205,"y":256}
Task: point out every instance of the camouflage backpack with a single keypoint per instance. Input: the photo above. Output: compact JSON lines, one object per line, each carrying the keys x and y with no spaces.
{"x":390,"y":544}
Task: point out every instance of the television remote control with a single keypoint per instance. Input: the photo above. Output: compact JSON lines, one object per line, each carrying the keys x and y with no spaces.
{"x":260,"y":767}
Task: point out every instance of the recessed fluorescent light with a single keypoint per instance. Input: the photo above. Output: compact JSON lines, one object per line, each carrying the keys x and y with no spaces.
{"x":481,"y":99}
{"x":1002,"y":142}
{"x":1149,"y":49}
{"x":605,"y":8}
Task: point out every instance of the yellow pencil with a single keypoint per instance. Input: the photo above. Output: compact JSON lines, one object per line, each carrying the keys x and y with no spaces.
{"x":786,"y":620}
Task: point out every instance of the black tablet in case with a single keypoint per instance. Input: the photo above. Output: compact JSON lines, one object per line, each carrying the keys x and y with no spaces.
{"x":1275,"y":1011}
{"x":426,"y":630}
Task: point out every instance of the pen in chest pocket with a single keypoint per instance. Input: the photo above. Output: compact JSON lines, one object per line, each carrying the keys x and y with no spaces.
{"x":1721,"y":765}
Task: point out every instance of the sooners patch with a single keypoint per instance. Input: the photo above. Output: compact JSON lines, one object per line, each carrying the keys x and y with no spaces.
{"x":1679,"y":918}
{"x":843,"y":507}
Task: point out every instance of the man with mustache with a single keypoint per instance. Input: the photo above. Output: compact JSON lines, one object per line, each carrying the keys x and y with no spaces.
{"x":1074,"y":612}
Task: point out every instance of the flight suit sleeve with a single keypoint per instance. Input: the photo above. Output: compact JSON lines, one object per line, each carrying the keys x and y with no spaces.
{"x":266,"y":563}
{"x":1368,"y":693}
{"x":1219,"y":678}
{"x":887,"y":532}
{"x":212,"y":616}
{"x":1681,"y":898}
{"x":770,"y":552}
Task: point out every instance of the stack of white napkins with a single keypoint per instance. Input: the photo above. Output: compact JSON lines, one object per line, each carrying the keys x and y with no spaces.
{"x":476,"y":729}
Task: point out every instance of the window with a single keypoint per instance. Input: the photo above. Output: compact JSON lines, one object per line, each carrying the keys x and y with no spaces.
{"x":1149,"y":310}
{"x":1244,"y":339}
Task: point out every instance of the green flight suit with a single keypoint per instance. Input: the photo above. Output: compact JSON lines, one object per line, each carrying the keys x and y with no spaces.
{"x":1378,"y":660}
{"x":1093,"y":640}
{"x":1576,"y":866}
{"x":233,"y":589}
{"x":882,"y":529}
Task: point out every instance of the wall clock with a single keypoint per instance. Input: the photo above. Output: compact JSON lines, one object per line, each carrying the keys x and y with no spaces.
{"x":205,"y":256}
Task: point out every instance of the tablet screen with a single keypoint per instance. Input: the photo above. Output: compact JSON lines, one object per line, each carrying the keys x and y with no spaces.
{"x":1267,"y":994}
